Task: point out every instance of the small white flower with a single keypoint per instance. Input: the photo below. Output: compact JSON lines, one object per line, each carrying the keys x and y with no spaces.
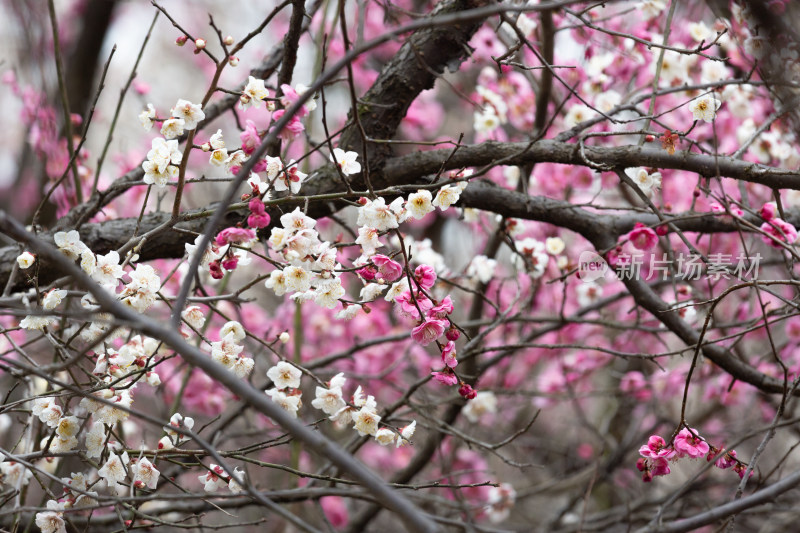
{"x":190,"y":113}
{"x":145,"y":472}
{"x":68,"y":427}
{"x":484,"y":402}
{"x":53,"y":298}
{"x":51,"y":521}
{"x":25,"y":260}
{"x":385,"y":436}
{"x":329,"y":400}
{"x":482,"y":267}
{"x":284,"y":375}
{"x":366,"y":422}
{"x":346,"y":161}
{"x":290,"y":404}
{"x":233,"y":329}
{"x":113,"y":471}
{"x":705,"y":107}
{"x":172,"y":127}
{"x":419,"y":204}
{"x":146,"y":117}
{"x":328,"y":293}
{"x":448,"y":195}
{"x":194,"y":316}
{"x":554,"y":245}
{"x":253,"y":94}
{"x":69,"y":243}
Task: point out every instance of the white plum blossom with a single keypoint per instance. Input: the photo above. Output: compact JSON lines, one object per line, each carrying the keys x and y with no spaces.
{"x":51,"y":521}
{"x":369,"y":240}
{"x":588,"y":293}
{"x":68,"y":427}
{"x":172,"y":128}
{"x":213,"y":480}
{"x":140,"y":292}
{"x":370,"y":291}
{"x":651,"y":8}
{"x":385,"y":436}
{"x":145,"y":472}
{"x":554,"y":245}
{"x":366,"y":421}
{"x":285,"y":375}
{"x":254,"y":93}
{"x":34,"y":322}
{"x":25,"y":260}
{"x":500,"y":502}
{"x":705,"y":107}
{"x":53,"y":298}
{"x":190,"y":113}
{"x":95,"y":441}
{"x":297,"y":278}
{"x":69,"y":243}
{"x":48,"y":411}
{"x":397,"y":288}
{"x":277,"y":282}
{"x":406,"y":433}
{"x":235,"y":160}
{"x":146,"y":117}
{"x":290,"y":404}
{"x":328,"y":293}
{"x":330,"y":400}
{"x":648,"y":183}
{"x":376,"y":214}
{"x":108,"y":271}
{"x":577,"y":114}
{"x":234,"y":330}
{"x":233,"y":486}
{"x":482,"y":267}
{"x":419,"y":204}
{"x":346,"y":161}
{"x":448,"y":195}
{"x":113,"y":471}
{"x":483,"y":403}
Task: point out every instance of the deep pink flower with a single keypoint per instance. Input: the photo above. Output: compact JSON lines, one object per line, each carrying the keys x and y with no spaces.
{"x":726,"y":460}
{"x":389,"y":269}
{"x":249,"y":137}
{"x":234,"y":235}
{"x":642,"y":237}
{"x":467,"y":392}
{"x":781,"y":230}
{"x":292,"y":129}
{"x":230,"y":263}
{"x":258,"y":215}
{"x":445,"y":377}
{"x":408,"y":307}
{"x":425,"y":276}
{"x":687,"y":444}
{"x":656,"y":448}
{"x":443,"y":309}
{"x":452,"y":334}
{"x":449,"y":355}
{"x":335,"y":511}
{"x":429,"y":331}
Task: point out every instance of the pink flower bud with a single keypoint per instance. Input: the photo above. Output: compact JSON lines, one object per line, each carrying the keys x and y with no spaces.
{"x":180,"y":41}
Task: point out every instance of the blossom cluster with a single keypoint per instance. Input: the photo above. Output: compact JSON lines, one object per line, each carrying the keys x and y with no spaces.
{"x":657,"y":454}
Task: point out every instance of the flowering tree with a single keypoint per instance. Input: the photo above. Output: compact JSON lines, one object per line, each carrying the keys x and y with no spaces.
{"x":462,"y":265}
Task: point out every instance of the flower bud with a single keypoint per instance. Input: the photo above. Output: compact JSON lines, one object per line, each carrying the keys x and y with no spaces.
{"x":180,"y":41}
{"x":200,"y":44}
{"x":233,"y":61}
{"x":228,"y":40}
